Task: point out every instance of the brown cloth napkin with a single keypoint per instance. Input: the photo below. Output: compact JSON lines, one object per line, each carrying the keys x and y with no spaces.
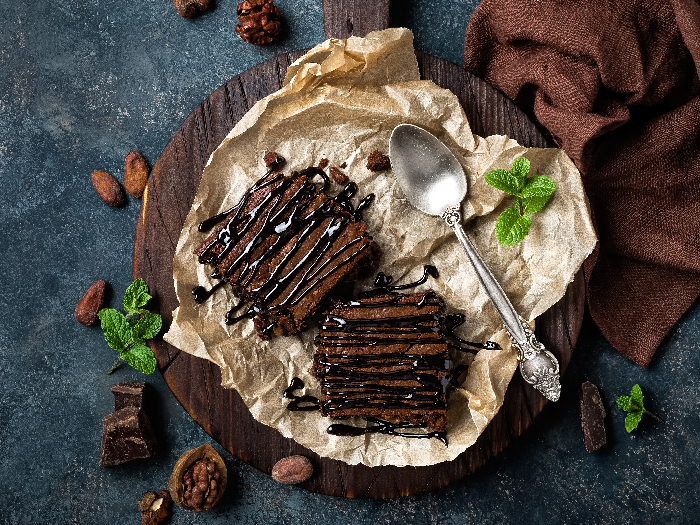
{"x":615,"y":83}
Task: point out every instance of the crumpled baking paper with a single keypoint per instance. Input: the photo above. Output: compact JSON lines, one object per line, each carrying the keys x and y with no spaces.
{"x":341,"y":101}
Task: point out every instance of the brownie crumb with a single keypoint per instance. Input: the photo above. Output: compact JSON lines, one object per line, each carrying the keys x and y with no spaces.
{"x":323,"y":163}
{"x":337,"y":175}
{"x":343,"y":165}
{"x":273,"y":160}
{"x":377,"y":161}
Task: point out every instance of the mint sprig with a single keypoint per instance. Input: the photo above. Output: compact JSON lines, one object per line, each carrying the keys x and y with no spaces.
{"x":531,"y":193}
{"x":634,"y":406}
{"x":127,"y":334}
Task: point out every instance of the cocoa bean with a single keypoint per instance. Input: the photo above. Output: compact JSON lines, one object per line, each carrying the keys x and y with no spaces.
{"x":108,"y":188}
{"x":292,"y":470}
{"x":135,"y":173}
{"x":90,"y":303}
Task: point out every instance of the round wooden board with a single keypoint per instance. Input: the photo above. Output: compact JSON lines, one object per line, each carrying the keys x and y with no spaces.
{"x":196,"y":383}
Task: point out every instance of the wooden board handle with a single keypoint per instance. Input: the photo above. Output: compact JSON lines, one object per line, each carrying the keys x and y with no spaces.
{"x":344,"y":18}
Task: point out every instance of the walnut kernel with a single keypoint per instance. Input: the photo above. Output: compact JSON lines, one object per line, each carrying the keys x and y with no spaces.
{"x":260,"y":21}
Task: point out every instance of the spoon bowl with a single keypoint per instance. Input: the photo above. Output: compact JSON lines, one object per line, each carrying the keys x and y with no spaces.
{"x":432,"y":179}
{"x":429,"y":175}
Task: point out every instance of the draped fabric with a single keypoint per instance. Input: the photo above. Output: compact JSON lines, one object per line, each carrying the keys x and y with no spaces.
{"x":614,"y":84}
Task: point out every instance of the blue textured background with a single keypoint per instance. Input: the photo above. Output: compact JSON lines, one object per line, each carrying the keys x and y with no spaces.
{"x":82,"y":82}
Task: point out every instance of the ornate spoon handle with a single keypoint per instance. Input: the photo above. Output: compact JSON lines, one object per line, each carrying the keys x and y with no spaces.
{"x":538,"y":365}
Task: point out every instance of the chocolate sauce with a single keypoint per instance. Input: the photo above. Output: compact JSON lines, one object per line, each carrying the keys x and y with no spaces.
{"x":452,"y":321}
{"x":298,"y":384}
{"x":312,"y":171}
{"x":363,"y":205}
{"x":259,"y":249}
{"x":382,"y":282}
{"x":383,"y":427}
{"x":201,"y":294}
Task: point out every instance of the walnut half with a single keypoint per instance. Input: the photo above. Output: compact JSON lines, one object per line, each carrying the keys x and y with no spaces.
{"x":260,"y":21}
{"x":199,"y":479}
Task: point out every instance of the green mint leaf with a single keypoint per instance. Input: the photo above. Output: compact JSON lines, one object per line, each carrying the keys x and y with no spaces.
{"x":147,"y":327}
{"x":637,"y":396}
{"x":624,"y":402}
{"x":534,"y":204}
{"x":136,"y":296}
{"x":141,"y":358}
{"x":632,"y":420}
{"x":539,"y":186}
{"x":520,"y":170}
{"x":511,"y":227}
{"x":503,"y":180}
{"x":115,"y":327}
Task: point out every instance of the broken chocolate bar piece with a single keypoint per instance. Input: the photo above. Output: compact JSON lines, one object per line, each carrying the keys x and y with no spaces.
{"x":592,"y":417}
{"x":126,"y":435}
{"x":128,"y":394}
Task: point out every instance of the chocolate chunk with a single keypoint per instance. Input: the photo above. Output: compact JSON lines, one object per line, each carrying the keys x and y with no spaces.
{"x":126,"y":434}
{"x":323,"y":163}
{"x":129,"y":394}
{"x":592,"y":417}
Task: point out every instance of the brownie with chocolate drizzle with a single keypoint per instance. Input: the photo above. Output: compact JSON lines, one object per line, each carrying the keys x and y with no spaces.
{"x":384,"y":357}
{"x":284,"y":248}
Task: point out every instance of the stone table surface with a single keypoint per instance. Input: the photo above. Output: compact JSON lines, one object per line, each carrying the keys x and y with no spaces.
{"x":81,"y":84}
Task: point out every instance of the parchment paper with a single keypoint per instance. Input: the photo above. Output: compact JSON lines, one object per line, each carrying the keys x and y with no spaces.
{"x":341,"y":101}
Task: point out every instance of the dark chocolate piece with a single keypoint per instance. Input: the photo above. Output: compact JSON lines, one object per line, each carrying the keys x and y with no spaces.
{"x":126,"y":435}
{"x":592,"y":417}
{"x":129,"y":394}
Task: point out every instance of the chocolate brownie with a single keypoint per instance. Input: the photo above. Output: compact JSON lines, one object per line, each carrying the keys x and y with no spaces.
{"x":284,"y":248}
{"x":385,"y":358}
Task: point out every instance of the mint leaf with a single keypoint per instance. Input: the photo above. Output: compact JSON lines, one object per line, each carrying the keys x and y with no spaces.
{"x":533,"y":193}
{"x":624,"y":402}
{"x":634,"y":406}
{"x":147,"y":327}
{"x":136,"y":295}
{"x":632,"y":419}
{"x":534,"y":204}
{"x":637,"y":396}
{"x":503,"y":180}
{"x":115,"y":327}
{"x":141,"y":358}
{"x":128,"y":334}
{"x":520,"y":170}
{"x":539,"y":186}
{"x":511,"y":227}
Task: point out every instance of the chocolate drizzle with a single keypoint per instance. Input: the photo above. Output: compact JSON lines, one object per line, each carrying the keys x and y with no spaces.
{"x":281,"y":241}
{"x":452,"y":321}
{"x":383,"y":427}
{"x":294,"y":404}
{"x":201,"y":294}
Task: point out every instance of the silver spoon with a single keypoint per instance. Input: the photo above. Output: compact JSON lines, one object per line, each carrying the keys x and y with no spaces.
{"x":433,"y":180}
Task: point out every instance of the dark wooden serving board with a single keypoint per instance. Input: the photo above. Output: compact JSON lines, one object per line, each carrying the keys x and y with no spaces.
{"x":196,"y":383}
